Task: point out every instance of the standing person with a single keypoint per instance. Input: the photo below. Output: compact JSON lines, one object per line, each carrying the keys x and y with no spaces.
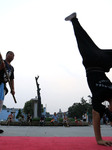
{"x":65,"y":120}
{"x":3,"y":79}
{"x":96,"y":62}
{"x":10,"y":118}
{"x":29,"y":118}
{"x":84,"y":117}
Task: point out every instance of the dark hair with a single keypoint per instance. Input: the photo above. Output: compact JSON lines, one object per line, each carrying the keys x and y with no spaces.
{"x":8,"y":52}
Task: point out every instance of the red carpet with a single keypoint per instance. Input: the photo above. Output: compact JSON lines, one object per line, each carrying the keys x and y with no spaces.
{"x":51,"y":143}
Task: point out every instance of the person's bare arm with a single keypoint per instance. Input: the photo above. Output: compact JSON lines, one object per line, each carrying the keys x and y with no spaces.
{"x":97,"y":130}
{"x":2,"y":65}
{"x":12,"y":87}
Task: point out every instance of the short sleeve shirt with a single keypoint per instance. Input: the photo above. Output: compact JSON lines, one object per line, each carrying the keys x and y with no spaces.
{"x":10,"y":72}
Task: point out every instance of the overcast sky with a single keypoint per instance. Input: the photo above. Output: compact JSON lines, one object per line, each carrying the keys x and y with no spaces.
{"x":44,"y":44}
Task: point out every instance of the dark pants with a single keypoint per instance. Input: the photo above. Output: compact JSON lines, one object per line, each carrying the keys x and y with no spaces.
{"x":92,"y":55}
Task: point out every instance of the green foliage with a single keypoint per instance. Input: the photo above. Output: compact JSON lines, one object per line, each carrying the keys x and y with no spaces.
{"x":36,"y":119}
{"x":42,"y":109}
{"x":47,"y":114}
{"x":60,"y":119}
{"x":28,"y":107}
{"x":19,"y":114}
{"x":77,"y":109}
{"x":71,"y":119}
{"x":48,"y":119}
{"x":4,"y":107}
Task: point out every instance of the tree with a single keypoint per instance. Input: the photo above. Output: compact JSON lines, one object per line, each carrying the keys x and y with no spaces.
{"x":39,"y":97}
{"x":4,"y":107}
{"x":28,"y":107}
{"x":19,"y":114}
{"x":77,"y":109}
{"x":42,"y":108}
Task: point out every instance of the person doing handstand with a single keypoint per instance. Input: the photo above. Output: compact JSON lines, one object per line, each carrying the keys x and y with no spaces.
{"x":96,"y":62}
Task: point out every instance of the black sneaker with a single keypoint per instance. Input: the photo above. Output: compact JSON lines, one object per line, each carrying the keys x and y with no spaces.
{"x":1,"y":131}
{"x":70,"y":17}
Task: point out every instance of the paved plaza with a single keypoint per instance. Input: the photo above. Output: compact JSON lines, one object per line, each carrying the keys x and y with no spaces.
{"x":38,"y":131}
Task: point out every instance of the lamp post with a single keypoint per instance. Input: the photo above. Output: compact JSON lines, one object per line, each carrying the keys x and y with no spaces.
{"x":39,"y":97}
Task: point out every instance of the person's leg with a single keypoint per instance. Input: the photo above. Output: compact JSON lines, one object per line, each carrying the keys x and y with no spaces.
{"x":87,"y":47}
{"x":92,"y":55}
{"x":1,"y":95}
{"x":82,"y":37}
{"x":1,"y":99}
{"x":1,"y":104}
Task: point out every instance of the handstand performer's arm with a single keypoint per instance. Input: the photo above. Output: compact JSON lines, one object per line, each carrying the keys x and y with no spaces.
{"x":97,"y":130}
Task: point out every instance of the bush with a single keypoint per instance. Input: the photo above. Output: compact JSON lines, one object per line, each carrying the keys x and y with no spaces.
{"x":36,"y":119}
{"x":60,"y":119}
{"x":48,"y":119}
{"x":72,"y":119}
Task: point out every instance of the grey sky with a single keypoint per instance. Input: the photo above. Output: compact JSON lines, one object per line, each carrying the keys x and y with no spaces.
{"x":44,"y":44}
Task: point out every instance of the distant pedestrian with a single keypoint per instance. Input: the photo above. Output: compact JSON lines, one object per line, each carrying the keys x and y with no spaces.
{"x":10,"y":118}
{"x":42,"y":120}
{"x":65,"y":120}
{"x":29,"y":118}
{"x":84,"y":117}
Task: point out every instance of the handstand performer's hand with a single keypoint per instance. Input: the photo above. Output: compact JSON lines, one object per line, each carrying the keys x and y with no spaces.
{"x":105,"y":143}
